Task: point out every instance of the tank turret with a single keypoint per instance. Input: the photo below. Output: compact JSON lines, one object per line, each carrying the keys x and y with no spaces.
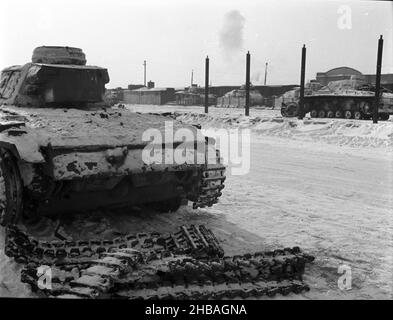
{"x":59,"y":55}
{"x":57,"y":76}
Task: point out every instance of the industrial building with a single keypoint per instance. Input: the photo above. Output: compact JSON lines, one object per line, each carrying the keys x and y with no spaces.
{"x":266,"y":91}
{"x":145,"y":95}
{"x":344,"y":73}
{"x":138,"y":94}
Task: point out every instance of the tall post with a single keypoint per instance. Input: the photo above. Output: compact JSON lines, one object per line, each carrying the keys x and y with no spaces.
{"x":302,"y":77}
{"x":248,"y":84}
{"x":264,"y":82}
{"x":192,"y":78}
{"x":207,"y":85}
{"x":144,"y":73}
{"x":378,"y":80}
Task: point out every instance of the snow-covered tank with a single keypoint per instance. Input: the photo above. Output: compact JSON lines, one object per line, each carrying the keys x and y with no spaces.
{"x":350,"y":99}
{"x":237,"y":98}
{"x":193,"y":96}
{"x":61,"y":151}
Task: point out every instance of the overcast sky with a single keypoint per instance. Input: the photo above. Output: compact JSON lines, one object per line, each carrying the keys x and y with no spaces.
{"x":174,"y":36}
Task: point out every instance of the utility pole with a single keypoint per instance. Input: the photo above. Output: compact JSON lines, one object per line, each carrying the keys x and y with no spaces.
{"x":264,"y":82}
{"x":378,"y":80}
{"x":192,"y":78}
{"x":247,"y":84}
{"x":207,"y":85}
{"x":300,"y":113}
{"x":144,"y":73}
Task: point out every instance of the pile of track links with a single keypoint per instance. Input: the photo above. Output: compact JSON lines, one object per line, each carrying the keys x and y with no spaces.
{"x":189,"y":264}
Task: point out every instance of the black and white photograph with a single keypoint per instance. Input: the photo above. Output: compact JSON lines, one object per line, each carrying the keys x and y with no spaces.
{"x":196,"y":151}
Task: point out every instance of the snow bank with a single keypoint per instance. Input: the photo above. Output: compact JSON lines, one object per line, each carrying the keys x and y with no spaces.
{"x":354,"y":133}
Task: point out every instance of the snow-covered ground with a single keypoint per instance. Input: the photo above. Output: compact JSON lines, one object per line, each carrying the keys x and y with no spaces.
{"x":323,"y":185}
{"x":334,"y":203}
{"x":354,"y":133}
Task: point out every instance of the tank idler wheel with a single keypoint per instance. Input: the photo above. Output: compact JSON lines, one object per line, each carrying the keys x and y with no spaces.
{"x":11,"y":189}
{"x":321,"y":114}
{"x":314,"y":113}
{"x":357,"y":115}
{"x":339,"y":114}
{"x":330,"y":114}
{"x":348,"y":114}
{"x":291,"y":110}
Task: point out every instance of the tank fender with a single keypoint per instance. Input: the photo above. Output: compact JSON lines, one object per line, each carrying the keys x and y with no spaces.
{"x":23,"y":145}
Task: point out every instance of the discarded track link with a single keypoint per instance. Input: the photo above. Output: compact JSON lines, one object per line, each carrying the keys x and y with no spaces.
{"x":188,"y":264}
{"x":197,"y":241}
{"x":123,"y":273}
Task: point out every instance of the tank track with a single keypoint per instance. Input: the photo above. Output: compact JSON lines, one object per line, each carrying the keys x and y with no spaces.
{"x":197,"y":241}
{"x":212,"y":176}
{"x":212,"y":182}
{"x":123,"y":273}
{"x":221,"y":291}
{"x":188,"y":264}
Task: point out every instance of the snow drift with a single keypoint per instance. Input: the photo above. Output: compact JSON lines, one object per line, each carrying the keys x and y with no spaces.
{"x":353,"y":133}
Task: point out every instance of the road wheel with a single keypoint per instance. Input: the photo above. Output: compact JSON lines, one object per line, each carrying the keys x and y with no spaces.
{"x":347,"y":114}
{"x":384,"y":116}
{"x":314,"y":113}
{"x":330,"y":114}
{"x":357,"y":115}
{"x":321,"y":114}
{"x":338,"y":114}
{"x":11,"y":189}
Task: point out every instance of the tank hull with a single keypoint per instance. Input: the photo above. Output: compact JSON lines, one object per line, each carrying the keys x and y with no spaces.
{"x":76,"y":159}
{"x":346,"y":106}
{"x":335,"y":101}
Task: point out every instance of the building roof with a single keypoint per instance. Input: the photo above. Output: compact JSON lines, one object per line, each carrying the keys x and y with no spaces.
{"x":343,"y":70}
{"x":145,"y":89}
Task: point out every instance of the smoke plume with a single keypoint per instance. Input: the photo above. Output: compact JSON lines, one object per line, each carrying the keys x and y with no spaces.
{"x":231,"y":34}
{"x":257,"y":77}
